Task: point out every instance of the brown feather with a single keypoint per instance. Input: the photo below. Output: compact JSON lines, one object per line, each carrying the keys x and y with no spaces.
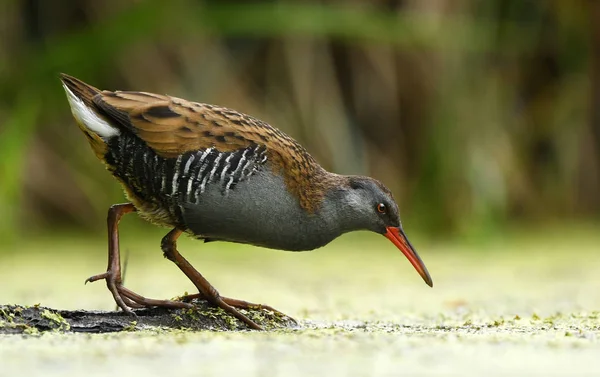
{"x":83,"y":91}
{"x":172,"y":126}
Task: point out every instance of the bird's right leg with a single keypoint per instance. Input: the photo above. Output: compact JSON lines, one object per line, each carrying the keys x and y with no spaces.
{"x":206,"y":290}
{"x":125,"y":298}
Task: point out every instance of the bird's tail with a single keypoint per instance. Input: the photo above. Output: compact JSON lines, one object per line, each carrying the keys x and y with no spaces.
{"x":88,"y":115}
{"x":79,"y":89}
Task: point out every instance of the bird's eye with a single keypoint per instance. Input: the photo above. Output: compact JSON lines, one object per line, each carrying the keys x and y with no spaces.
{"x":381,"y":208}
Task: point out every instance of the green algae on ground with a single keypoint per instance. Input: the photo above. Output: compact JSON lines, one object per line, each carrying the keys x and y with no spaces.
{"x":10,"y":322}
{"x":30,"y":320}
{"x":56,"y":318}
{"x":203,"y":316}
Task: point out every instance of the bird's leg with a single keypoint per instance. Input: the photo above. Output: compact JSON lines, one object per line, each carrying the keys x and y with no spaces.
{"x":207,"y":291}
{"x":125,"y":298}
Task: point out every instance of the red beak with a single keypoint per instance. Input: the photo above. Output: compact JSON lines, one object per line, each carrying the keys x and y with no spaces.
{"x":398,"y":238}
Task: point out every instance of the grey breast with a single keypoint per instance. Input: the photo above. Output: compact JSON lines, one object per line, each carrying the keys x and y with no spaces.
{"x":257,"y":210}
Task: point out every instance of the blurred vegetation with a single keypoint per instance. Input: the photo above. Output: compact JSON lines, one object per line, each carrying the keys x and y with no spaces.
{"x":473,"y":112}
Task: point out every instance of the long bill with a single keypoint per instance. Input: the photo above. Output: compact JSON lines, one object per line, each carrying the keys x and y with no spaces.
{"x":398,"y":238}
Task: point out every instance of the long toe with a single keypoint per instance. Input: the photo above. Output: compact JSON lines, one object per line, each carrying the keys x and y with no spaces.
{"x":234,"y":312}
{"x":142,"y":301}
{"x":241,"y":304}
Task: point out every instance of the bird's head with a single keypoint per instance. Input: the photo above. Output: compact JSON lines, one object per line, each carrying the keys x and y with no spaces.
{"x":366,"y":204}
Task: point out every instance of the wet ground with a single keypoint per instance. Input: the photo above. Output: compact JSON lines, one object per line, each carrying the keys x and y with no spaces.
{"x":522,"y":303}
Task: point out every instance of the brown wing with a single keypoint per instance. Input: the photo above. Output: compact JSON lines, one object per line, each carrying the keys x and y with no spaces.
{"x":172,"y":126}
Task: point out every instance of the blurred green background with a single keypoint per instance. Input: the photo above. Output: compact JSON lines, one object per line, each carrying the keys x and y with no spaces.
{"x":482,"y":116}
{"x":479,"y":115}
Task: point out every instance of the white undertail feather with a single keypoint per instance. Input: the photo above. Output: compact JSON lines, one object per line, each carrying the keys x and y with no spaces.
{"x":88,"y":118}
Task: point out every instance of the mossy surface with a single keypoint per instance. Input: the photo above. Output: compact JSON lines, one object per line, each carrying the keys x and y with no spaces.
{"x":34,"y":319}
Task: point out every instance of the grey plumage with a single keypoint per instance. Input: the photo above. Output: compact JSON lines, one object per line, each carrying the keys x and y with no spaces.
{"x":263,"y":213}
{"x":232,"y":196}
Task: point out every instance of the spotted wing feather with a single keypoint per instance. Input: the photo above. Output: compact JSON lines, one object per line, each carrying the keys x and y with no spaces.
{"x":172,"y":126}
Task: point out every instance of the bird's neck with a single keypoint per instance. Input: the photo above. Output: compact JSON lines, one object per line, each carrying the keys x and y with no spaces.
{"x":316,"y":217}
{"x":336,"y":212}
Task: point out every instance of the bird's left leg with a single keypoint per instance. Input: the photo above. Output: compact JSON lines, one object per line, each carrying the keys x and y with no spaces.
{"x":125,"y":298}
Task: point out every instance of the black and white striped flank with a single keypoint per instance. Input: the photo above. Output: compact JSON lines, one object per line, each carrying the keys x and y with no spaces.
{"x":172,"y":182}
{"x":194,"y":172}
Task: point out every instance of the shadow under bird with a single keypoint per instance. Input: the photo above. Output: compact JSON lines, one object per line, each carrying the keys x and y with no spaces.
{"x":220,"y":175}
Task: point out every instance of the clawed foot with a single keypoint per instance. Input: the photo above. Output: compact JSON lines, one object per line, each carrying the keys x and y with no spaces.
{"x":127,"y":300}
{"x":239,"y":304}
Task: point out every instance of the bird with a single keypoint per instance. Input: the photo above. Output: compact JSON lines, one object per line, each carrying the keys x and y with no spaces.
{"x":217,"y":174}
